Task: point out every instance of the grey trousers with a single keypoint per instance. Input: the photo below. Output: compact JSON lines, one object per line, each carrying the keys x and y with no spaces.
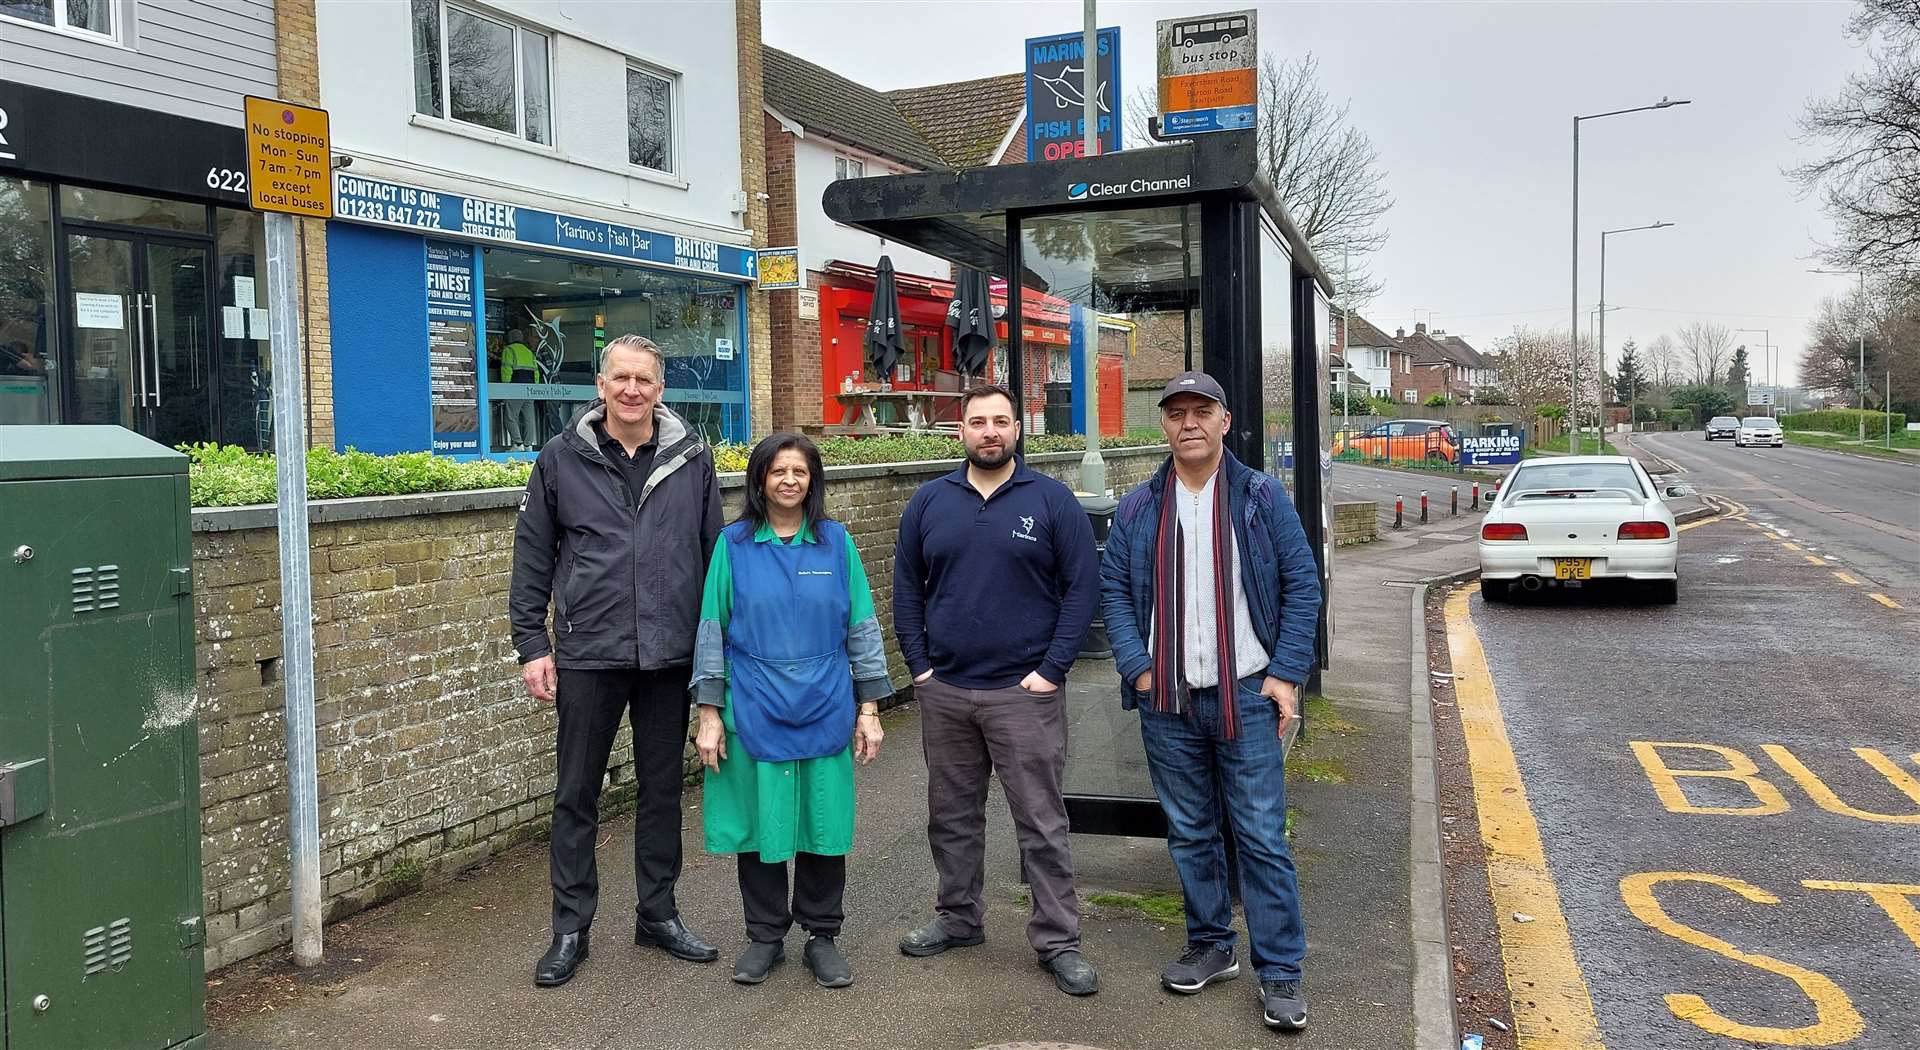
{"x":967,"y":734}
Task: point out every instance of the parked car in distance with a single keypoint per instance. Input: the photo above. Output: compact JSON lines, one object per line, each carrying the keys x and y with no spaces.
{"x":1760,"y":430}
{"x":1723,"y":427}
{"x":1401,"y":441}
{"x":1571,"y":520}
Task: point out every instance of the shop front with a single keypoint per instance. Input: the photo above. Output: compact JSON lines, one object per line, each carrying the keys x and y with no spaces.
{"x":472,"y":327}
{"x":132,"y":278}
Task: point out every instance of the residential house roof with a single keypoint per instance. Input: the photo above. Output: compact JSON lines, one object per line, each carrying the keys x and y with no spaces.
{"x":930,"y":128}
{"x":1361,"y":332}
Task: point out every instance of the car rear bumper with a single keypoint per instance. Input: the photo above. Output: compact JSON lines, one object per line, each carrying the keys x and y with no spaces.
{"x":1638,"y":560}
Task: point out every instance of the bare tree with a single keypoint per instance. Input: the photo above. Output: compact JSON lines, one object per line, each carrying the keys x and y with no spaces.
{"x":1889,"y":317}
{"x":1324,"y":170}
{"x":1708,"y":344}
{"x":1869,"y":181}
{"x":1660,"y":361}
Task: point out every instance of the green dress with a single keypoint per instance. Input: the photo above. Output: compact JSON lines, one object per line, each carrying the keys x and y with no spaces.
{"x":777,"y":809}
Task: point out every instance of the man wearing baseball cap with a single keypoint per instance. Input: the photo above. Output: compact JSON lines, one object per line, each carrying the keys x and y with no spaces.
{"x":1212,"y":599}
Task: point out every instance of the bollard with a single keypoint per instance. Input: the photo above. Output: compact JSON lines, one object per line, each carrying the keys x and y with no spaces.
{"x":1399,"y":513}
{"x":1454,"y":500}
{"x":1423,"y":506}
{"x":1476,"y":495}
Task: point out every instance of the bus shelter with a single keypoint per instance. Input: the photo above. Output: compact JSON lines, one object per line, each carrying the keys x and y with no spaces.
{"x":1188,"y":247}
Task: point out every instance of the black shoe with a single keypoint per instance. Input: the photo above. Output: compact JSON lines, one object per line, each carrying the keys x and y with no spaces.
{"x":674,"y":936}
{"x":1202,"y":965}
{"x":564,"y":956}
{"x":758,"y":961}
{"x":933,"y":938}
{"x":1282,"y":1005}
{"x":828,"y":963}
{"x":1073,"y":973}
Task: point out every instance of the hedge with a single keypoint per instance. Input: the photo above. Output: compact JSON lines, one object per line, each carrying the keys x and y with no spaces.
{"x":230,"y":476}
{"x":1842,"y":421}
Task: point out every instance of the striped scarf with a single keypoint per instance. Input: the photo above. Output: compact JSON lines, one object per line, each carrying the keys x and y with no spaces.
{"x":1170,"y":604}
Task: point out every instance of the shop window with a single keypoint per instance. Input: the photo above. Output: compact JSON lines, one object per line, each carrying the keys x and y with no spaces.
{"x":845,"y":167}
{"x":481,"y":70}
{"x":650,"y":120}
{"x":84,"y":16}
{"x":27,"y":302}
{"x":547,"y":318}
{"x":88,"y":204}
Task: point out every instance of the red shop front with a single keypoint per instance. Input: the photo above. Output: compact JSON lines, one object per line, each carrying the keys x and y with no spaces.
{"x":846,"y":297}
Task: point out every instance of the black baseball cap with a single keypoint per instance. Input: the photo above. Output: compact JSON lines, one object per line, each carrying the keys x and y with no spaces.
{"x":1193,"y":383}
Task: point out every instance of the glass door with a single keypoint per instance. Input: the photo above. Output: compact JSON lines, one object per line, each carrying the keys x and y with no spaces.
{"x":179,"y":363}
{"x":105,"y":339}
{"x":140,"y":349}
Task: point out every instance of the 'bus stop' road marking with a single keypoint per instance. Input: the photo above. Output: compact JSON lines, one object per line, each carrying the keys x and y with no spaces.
{"x":1555,"y":1012}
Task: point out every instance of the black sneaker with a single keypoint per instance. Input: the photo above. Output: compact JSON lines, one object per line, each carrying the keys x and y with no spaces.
{"x":1282,"y":1006}
{"x":1200,"y":966}
{"x":828,"y":963}
{"x":758,"y":961}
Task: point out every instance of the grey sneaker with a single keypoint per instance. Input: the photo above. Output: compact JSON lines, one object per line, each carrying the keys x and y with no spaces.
{"x":1282,"y":1006}
{"x":1200,"y":966}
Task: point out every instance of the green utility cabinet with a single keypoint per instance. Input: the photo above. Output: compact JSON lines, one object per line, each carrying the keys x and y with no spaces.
{"x":101,"y":938}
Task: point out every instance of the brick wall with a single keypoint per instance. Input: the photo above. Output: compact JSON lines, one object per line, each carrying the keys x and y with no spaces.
{"x":430,"y":757}
{"x":795,"y":341}
{"x":299,"y":77}
{"x":1355,"y":521}
{"x":753,"y":182}
{"x":1017,"y":149}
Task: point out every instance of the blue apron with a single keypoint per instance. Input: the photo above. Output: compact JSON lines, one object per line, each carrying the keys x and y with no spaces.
{"x":792,"y":684}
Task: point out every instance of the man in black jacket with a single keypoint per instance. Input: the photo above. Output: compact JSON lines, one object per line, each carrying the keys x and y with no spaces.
{"x":615,"y":529}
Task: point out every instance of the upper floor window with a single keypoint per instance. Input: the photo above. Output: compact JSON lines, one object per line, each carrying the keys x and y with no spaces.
{"x":845,"y":167}
{"x":482,"y":70}
{"x":650,"y":119}
{"x":86,"y":16}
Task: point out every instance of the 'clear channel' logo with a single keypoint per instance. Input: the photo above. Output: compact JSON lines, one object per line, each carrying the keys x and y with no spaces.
{"x":1079,"y":191}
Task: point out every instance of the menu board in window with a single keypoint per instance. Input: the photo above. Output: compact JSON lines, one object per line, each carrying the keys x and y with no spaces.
{"x":453,"y":355}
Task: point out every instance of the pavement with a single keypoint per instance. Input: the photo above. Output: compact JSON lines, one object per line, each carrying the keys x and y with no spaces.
{"x":450,"y":967}
{"x":1702,"y":819}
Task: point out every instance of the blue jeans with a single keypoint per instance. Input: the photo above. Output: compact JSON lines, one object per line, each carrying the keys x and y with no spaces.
{"x":1193,"y":769}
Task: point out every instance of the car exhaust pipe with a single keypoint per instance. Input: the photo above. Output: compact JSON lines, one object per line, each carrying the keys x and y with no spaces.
{"x":1531,"y":584}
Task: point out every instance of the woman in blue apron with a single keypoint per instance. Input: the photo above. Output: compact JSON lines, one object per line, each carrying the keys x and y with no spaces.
{"x":789,"y":671}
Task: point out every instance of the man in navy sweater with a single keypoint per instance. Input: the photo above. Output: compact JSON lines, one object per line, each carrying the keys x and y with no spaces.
{"x":995,"y":580}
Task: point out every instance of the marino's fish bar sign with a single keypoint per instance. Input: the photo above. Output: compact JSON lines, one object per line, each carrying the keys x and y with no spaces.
{"x":1207,"y":68}
{"x":289,"y":158}
{"x":1057,"y":97}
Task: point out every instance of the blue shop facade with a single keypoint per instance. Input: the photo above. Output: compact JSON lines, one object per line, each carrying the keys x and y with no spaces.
{"x":473,"y":328}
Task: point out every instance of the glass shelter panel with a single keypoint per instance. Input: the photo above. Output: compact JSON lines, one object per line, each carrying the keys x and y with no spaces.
{"x":1276,"y":353}
{"x":1110,"y":313}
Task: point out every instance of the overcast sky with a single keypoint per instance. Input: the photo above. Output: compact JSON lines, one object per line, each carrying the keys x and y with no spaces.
{"x":1471,"y":106}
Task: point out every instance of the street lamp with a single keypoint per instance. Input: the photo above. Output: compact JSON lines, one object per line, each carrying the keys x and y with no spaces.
{"x":1573,"y":330}
{"x":1604,"y":234}
{"x":1862,"y":383}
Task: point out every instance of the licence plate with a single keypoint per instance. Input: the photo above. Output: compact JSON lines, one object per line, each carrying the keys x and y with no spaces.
{"x":1573,"y":568}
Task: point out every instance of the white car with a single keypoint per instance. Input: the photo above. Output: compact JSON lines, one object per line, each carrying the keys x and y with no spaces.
{"x":1759,"y":430}
{"x":1576,"y":519}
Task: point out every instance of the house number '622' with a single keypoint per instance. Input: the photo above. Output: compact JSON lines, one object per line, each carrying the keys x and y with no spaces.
{"x":227,"y":179}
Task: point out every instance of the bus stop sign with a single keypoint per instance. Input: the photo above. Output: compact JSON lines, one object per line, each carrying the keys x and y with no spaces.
{"x":1207,"y":67}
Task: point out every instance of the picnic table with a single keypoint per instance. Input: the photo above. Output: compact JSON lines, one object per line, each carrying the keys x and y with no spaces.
{"x":920,"y":407}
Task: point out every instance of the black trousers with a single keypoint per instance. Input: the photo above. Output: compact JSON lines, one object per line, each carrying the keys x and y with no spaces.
{"x":819,"y":885}
{"x":590,"y":705}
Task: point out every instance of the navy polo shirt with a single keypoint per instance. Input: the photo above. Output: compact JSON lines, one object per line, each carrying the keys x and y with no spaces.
{"x":988,"y":591}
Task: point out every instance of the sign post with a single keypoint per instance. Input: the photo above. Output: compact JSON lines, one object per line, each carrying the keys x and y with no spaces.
{"x":289,"y":164}
{"x":1208,"y":72}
